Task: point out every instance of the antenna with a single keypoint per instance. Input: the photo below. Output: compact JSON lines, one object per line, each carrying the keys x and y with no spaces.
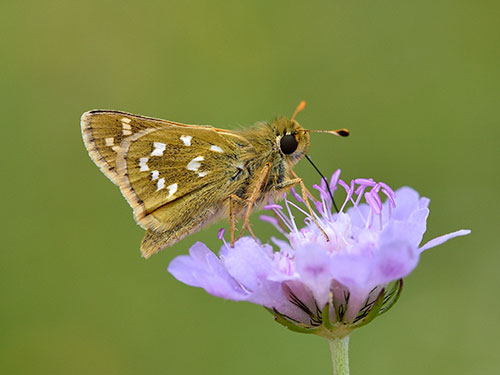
{"x":300,"y":107}
{"x":326,"y":181}
{"x":338,"y":132}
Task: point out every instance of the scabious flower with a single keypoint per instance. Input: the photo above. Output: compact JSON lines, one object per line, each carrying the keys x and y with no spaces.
{"x":325,"y":281}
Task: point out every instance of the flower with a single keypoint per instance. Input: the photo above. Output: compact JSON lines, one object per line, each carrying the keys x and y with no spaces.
{"x":337,"y":273}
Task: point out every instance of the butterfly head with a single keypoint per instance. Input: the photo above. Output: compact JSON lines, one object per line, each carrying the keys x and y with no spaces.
{"x":292,"y":139}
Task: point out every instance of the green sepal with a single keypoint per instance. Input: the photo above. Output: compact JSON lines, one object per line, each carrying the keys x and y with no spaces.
{"x":340,"y":314}
{"x":289,"y":324}
{"x":374,"y":311}
{"x":325,"y":317}
{"x":392,"y":297}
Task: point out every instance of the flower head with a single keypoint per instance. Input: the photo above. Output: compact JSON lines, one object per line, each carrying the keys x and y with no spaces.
{"x":336,"y":273}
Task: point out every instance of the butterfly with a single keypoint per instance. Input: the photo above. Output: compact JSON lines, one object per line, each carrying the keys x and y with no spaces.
{"x":179,"y":178}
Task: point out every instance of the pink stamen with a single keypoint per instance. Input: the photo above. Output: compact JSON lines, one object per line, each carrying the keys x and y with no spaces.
{"x":360,"y":189}
{"x":321,"y":189}
{"x":389,"y":198}
{"x":389,"y":190}
{"x":273,"y":206}
{"x":319,"y":206}
{"x":290,"y":215}
{"x":323,"y":184}
{"x":349,"y":190}
{"x":344,"y":185}
{"x":334,"y":180}
{"x":359,"y":192}
{"x":370,"y":219}
{"x":278,"y":210}
{"x":379,"y":202}
{"x":298,"y":208}
{"x":297,"y":197}
{"x":220,"y":233}
{"x":269,"y":219}
{"x":365,"y":181}
{"x":272,"y":220}
{"x":375,"y":201}
{"x":220,"y":236}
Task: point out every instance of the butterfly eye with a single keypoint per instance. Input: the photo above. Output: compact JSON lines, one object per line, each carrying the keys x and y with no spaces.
{"x":288,"y":144}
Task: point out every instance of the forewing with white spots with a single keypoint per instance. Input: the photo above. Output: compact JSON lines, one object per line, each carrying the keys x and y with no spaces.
{"x":104,"y":131}
{"x":168,"y":175}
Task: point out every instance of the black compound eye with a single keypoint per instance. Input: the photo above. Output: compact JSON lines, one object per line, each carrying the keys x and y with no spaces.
{"x":288,"y":144}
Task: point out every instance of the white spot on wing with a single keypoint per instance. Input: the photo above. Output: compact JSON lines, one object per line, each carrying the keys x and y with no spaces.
{"x":115,"y":148}
{"x":143,"y":165}
{"x":127,"y":129}
{"x":202,"y":174}
{"x":171,"y":190}
{"x":160,"y":184}
{"x":194,"y":164}
{"x":186,"y":139}
{"x":126,"y":120}
{"x":216,"y":148}
{"x":154,"y":175}
{"x":109,"y":141}
{"x":159,"y":148}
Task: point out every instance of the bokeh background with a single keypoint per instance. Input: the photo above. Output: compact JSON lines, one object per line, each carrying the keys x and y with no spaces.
{"x":416,"y":82}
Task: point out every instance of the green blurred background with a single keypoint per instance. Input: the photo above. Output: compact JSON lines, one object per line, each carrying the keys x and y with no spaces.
{"x":416,"y":82}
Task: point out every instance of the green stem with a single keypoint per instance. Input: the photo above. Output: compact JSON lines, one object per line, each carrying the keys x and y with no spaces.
{"x":340,"y":355}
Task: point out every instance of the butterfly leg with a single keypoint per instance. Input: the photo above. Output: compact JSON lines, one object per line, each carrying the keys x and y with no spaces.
{"x":313,"y":198}
{"x":233,"y":198}
{"x":305,"y":197}
{"x":255,"y":194}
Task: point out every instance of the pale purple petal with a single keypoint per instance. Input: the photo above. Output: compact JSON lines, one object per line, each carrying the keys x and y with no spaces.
{"x":442,"y":239}
{"x":418,"y":225}
{"x":270,"y":294}
{"x":313,"y":265}
{"x":248,"y":262}
{"x":203,"y":269}
{"x":353,"y":270}
{"x":407,"y":201}
{"x":394,"y":260}
{"x":353,"y":274}
{"x":254,"y":267}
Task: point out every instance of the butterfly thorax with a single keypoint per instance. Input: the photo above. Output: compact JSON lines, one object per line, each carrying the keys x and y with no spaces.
{"x":266,"y":146}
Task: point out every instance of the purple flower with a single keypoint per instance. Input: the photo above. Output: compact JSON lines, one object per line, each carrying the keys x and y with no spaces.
{"x":327,"y":286}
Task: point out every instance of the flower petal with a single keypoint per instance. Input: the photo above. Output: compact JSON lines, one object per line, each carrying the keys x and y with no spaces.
{"x":442,"y":239}
{"x":418,"y":225}
{"x":248,"y":262}
{"x":203,"y":269}
{"x":394,"y":260}
{"x":313,"y":266}
{"x":407,"y":201}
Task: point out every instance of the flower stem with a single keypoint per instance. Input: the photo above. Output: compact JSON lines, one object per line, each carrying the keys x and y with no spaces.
{"x":340,"y":355}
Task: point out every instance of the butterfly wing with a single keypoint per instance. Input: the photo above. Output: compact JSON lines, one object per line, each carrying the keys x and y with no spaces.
{"x":103,"y":132}
{"x":176,"y":177}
